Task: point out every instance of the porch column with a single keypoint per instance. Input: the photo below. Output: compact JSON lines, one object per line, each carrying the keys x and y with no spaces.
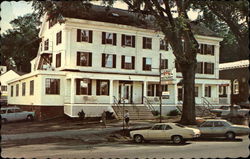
{"x":229,"y":94}
{"x":175,"y":94}
{"x":145,"y":88}
{"x":203,"y":90}
{"x":72,"y":91}
{"x":111,"y":92}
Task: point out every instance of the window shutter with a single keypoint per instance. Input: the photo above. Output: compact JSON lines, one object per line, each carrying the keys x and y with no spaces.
{"x":108,"y":87}
{"x":201,"y":64}
{"x":202,"y":49}
{"x":205,"y":67}
{"x":90,"y":87}
{"x":114,"y":38}
{"x":56,"y":38}
{"x":133,"y":62}
{"x":212,"y":49}
{"x":90,"y":59}
{"x":78,"y":59}
{"x":123,"y":61}
{"x":77,"y":87}
{"x":90,"y":36}
{"x":205,"y":49}
{"x":133,"y":41}
{"x":144,"y":43}
{"x":114,"y":61}
{"x":143,"y":63}
{"x":103,"y":38}
{"x":212,"y":66}
{"x":166,"y":47}
{"x":103,"y":60}
{"x":78,"y":35}
{"x":166,"y":63}
{"x":123,"y":39}
{"x":97,"y":87}
{"x":60,"y":36}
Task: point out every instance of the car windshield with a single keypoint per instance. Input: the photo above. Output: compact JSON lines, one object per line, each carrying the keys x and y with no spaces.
{"x":179,"y":125}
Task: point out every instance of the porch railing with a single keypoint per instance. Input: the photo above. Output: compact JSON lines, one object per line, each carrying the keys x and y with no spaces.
{"x":116,"y":103}
{"x":148,"y":104}
{"x":206,"y":103}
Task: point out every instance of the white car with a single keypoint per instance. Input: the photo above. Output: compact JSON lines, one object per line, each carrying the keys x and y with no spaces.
{"x":15,"y":114}
{"x":165,"y":131}
{"x":219,"y":127}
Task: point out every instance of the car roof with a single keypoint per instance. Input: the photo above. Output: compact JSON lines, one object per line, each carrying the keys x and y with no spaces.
{"x":165,"y":123}
{"x":14,"y":107}
{"x":216,"y":120}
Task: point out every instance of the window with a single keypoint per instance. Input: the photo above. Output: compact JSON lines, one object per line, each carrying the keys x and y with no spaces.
{"x":52,"y":22}
{"x":108,"y":60}
{"x":3,"y":88}
{"x":164,"y":88}
{"x":108,"y":38}
{"x":207,"y":91}
{"x":196,"y":91}
{"x":58,"y":60}
{"x":235,"y":86}
{"x":151,"y":90}
{"x":147,"y":43}
{"x":83,"y":86}
{"x":52,"y":86}
{"x":177,"y":66}
{"x":59,"y":37}
{"x":84,"y":35}
{"x":102,"y":87}
{"x":218,"y":124}
{"x":206,"y":49}
{"x":23,"y":88}
{"x":210,"y":50}
{"x":84,"y":59}
{"x":163,"y":45}
{"x":164,"y":63}
{"x":199,"y":67}
{"x":128,"y":62}
{"x":209,"y":68}
{"x":223,"y":91}
{"x":11,"y":91}
{"x":159,"y":127}
{"x":128,"y":40}
{"x":32,"y":87}
{"x":207,"y":124}
{"x":46,"y":44}
{"x":147,"y":64}
{"x":17,"y":89}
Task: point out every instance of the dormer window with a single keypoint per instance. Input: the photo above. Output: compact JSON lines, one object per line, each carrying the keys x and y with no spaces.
{"x":46,"y":44}
{"x":84,"y":35}
{"x":108,"y":38}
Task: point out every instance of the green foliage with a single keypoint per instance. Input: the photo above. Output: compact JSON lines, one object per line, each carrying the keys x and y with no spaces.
{"x":81,"y":115}
{"x":173,"y":113}
{"x":155,"y":112}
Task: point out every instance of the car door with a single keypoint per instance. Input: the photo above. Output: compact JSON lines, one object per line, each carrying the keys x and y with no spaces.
{"x":19,"y":114}
{"x":219,"y":128}
{"x":206,"y":128}
{"x":10,"y":115}
{"x":156,"y":133}
{"x":168,"y":131}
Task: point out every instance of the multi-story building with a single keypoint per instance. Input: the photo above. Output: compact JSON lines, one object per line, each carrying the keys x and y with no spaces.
{"x":88,"y":62}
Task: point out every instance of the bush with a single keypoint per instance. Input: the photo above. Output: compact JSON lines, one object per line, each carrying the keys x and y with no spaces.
{"x":155,"y":112}
{"x":173,"y":113}
{"x":81,"y":114}
{"x":109,"y":115}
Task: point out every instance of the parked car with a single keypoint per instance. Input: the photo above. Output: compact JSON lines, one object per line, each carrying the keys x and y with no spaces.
{"x":165,"y":131}
{"x":14,"y":114}
{"x":220,"y":128}
{"x":225,"y":110}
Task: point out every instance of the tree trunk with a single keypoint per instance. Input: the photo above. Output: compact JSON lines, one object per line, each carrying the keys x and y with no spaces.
{"x":188,"y":107}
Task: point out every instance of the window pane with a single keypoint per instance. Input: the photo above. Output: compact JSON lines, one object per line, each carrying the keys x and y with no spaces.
{"x":128,"y":40}
{"x":104,"y":88}
{"x":84,"y":35}
{"x":109,"y":60}
{"x":109,"y":38}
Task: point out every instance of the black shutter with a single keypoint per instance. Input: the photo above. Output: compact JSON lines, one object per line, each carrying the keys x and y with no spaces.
{"x":202,"y":49}
{"x":78,"y":35}
{"x":60,"y":36}
{"x":133,"y":62}
{"x":90,"y":87}
{"x":201,"y":64}
{"x":90,"y":59}
{"x":103,"y":38}
{"x":212,"y":50}
{"x":123,"y":40}
{"x":77,"y":87}
{"x":90,"y":36}
{"x":78,"y":58}
{"x":123,"y":61}
{"x":114,"y":38}
{"x":133,"y":41}
{"x":205,"y":49}
{"x":205,"y":68}
{"x":114,"y":61}
{"x":144,"y":43}
{"x":103,"y":60}
{"x":108,"y":87}
{"x":144,"y":63}
{"x":212,"y":67}
{"x":97,"y":87}
{"x":166,"y":63}
{"x":56,"y":38}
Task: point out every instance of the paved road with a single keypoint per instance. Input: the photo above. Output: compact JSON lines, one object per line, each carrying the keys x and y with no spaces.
{"x":194,"y":149}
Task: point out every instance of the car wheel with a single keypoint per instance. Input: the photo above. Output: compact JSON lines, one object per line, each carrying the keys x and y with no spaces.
{"x":30,"y":118}
{"x":138,"y":138}
{"x":4,"y":121}
{"x":230,"y":135}
{"x":177,"y":139}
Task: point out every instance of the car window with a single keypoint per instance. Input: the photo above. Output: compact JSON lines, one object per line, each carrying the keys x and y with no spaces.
{"x":158,"y":127}
{"x":18,"y":110}
{"x":10,"y":111}
{"x":218,"y":124}
{"x":3,"y":111}
{"x":179,"y":125}
{"x":207,"y":124}
{"x":168,"y":127}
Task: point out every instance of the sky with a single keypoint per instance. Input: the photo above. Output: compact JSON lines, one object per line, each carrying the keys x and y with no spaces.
{"x":12,"y":9}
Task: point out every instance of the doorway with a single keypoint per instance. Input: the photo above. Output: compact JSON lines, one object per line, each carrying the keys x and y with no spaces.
{"x":125,"y":91}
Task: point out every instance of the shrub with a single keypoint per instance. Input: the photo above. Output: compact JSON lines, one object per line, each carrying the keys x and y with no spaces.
{"x":81,"y":114}
{"x":173,"y":113}
{"x":155,"y":112}
{"x":109,"y":115}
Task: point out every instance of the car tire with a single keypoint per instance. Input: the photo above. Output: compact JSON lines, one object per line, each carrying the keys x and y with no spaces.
{"x":4,"y":121}
{"x":30,"y":118}
{"x":177,"y":139}
{"x":138,"y":138}
{"x":230,"y":135}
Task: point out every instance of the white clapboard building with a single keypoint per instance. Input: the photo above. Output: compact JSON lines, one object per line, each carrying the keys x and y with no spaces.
{"x":97,"y":61}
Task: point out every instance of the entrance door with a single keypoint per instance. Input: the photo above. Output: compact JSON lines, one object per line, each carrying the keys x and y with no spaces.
{"x":180,"y":94}
{"x":125,"y":92}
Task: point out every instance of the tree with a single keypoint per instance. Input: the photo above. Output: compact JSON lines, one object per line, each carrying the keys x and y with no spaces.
{"x":20,"y":44}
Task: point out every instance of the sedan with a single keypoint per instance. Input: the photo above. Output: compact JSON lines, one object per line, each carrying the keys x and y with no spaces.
{"x":218,"y":128}
{"x":165,"y":131}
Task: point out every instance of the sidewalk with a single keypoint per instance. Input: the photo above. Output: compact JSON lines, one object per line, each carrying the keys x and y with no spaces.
{"x":76,"y":133}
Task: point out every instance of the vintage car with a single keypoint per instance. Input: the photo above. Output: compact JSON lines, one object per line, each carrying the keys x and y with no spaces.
{"x":14,"y":114}
{"x":222,"y":128}
{"x":225,"y":110}
{"x":165,"y":131}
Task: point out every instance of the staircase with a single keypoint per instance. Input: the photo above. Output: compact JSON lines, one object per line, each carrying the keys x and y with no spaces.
{"x":136,"y":112}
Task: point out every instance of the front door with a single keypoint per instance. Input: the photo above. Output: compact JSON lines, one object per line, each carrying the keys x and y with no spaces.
{"x":125,"y":93}
{"x":180,"y":94}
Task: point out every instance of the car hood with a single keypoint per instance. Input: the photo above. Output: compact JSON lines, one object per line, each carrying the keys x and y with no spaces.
{"x":193,"y":129}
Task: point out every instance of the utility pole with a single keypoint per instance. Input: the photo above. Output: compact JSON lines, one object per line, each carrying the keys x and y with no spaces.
{"x":160,"y":89}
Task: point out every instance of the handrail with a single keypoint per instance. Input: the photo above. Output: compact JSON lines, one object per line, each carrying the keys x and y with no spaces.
{"x":148,"y":104}
{"x":116,"y":103}
{"x":205,"y":101}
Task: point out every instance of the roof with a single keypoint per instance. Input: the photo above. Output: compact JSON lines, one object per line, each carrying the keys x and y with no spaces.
{"x":125,"y":17}
{"x":234,"y":65}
